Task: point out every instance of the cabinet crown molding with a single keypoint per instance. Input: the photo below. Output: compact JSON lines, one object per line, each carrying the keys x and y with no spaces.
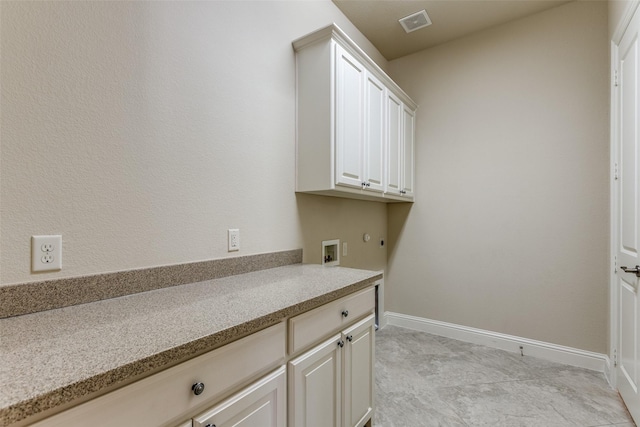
{"x":334,"y":32}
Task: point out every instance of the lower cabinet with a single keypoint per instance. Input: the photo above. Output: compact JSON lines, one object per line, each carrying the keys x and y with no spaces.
{"x":357,"y":367}
{"x":332,"y":384}
{"x":314,"y":386}
{"x":325,"y":379}
{"x":179,"y":392}
{"x":262,"y":404}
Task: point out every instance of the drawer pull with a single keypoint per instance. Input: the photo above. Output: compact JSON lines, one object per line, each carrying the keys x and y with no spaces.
{"x":345,"y":313}
{"x":349,"y":338}
{"x":197,"y":388}
{"x":340,"y":343}
{"x":210,"y":425}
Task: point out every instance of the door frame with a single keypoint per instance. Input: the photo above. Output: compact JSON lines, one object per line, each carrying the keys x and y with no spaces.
{"x":614,"y":150}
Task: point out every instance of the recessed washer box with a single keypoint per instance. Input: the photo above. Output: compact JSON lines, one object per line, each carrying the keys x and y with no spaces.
{"x":331,"y":252}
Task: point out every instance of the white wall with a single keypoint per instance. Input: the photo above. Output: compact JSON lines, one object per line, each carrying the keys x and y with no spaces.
{"x":142,"y":131}
{"x":510,"y":229}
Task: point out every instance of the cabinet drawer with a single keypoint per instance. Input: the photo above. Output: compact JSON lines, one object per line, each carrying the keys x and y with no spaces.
{"x":158,"y":399}
{"x":310,"y":327}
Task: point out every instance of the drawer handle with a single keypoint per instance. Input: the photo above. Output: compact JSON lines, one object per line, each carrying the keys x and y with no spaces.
{"x":349,"y":338}
{"x":197,"y":388}
{"x":345,"y":313}
{"x":210,"y":425}
{"x":340,"y":343}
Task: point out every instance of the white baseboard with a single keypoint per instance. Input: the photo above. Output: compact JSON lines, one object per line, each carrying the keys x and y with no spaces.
{"x":609,"y":373}
{"x":553,"y":352}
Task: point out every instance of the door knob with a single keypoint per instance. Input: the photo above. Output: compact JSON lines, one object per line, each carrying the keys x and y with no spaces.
{"x":635,"y":270}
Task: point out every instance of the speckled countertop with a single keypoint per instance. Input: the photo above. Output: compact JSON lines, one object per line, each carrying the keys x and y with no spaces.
{"x":54,"y":357}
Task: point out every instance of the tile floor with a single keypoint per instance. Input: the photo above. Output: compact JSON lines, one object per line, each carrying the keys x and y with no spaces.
{"x":426,"y":380}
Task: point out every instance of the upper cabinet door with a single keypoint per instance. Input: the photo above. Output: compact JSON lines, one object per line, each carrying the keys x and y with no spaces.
{"x":374,"y":133}
{"x":408,"y":123}
{"x":394,"y":147}
{"x":350,"y":76}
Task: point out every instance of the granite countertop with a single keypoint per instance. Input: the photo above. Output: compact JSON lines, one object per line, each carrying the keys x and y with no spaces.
{"x":55,"y":357}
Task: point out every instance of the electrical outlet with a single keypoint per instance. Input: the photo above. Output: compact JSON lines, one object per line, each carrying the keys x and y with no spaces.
{"x":46,"y":253}
{"x":234,"y":239}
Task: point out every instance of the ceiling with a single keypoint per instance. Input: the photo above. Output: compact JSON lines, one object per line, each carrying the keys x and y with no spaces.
{"x":378,"y":20}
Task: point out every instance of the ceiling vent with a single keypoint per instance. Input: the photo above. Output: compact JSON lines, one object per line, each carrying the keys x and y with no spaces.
{"x":415,"y":21}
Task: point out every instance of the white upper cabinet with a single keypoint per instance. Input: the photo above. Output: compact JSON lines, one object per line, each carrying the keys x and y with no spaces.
{"x":354,"y":124}
{"x":350,"y":77}
{"x":407,"y":166}
{"x":374,"y":153}
{"x":394,"y":144}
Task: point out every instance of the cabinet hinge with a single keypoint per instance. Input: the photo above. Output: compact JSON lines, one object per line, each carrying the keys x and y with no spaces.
{"x":615,"y":264}
{"x":615,"y":78}
{"x":615,"y":171}
{"x":615,"y":357}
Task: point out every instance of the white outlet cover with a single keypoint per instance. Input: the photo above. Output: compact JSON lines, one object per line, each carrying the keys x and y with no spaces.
{"x":234,"y":239}
{"x":46,"y":253}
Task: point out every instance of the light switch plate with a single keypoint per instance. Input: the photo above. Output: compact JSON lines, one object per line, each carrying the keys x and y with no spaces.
{"x":46,"y":253}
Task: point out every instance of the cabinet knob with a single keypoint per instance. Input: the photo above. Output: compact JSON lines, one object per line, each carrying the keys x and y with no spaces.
{"x":340,"y":343}
{"x":349,"y":338}
{"x":345,"y":313}
{"x":403,"y":192}
{"x":197,"y":388}
{"x":210,"y":425}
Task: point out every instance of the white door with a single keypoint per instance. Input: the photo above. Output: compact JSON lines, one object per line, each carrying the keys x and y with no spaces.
{"x":260,"y":404}
{"x":358,"y":377}
{"x":374,"y":134}
{"x":349,"y":119}
{"x":628,"y":214}
{"x":314,"y":386}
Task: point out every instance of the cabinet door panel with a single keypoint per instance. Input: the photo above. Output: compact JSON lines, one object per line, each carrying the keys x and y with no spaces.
{"x":394,"y":143}
{"x":314,"y":386}
{"x":358,"y":372}
{"x":408,"y":118}
{"x":374,"y":133}
{"x":260,"y":404}
{"x":349,"y":119}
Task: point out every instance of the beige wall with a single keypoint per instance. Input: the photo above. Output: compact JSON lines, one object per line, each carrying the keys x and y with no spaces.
{"x":318,"y":214}
{"x":142,"y":131}
{"x":510,"y":229}
{"x":617,"y":9}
